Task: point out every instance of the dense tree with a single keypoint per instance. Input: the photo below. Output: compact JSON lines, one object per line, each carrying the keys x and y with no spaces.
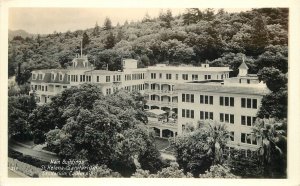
{"x":19,"y":108}
{"x":110,"y":41}
{"x":172,"y":171}
{"x":218,"y":171}
{"x":198,"y":150}
{"x":166,"y":18}
{"x":85,"y":40}
{"x":204,"y":36}
{"x":107,"y":131}
{"x":192,"y":16}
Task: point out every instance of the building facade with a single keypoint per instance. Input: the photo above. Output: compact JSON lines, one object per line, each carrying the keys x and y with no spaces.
{"x":188,"y":94}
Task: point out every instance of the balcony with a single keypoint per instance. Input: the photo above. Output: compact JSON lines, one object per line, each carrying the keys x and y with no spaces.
{"x":171,"y":124}
{"x":162,"y":103}
{"x":151,"y":91}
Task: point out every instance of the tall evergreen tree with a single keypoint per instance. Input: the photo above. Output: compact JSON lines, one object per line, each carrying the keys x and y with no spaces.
{"x":110,"y":41}
{"x":96,"y":29}
{"x":85,"y":40}
{"x":107,"y":24}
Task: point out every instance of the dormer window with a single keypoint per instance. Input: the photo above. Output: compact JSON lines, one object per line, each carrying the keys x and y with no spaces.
{"x":52,"y":76}
{"x":40,"y":76}
{"x":60,"y":77}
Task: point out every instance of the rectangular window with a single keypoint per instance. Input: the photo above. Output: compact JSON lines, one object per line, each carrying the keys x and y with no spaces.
{"x":187,"y":113}
{"x":176,"y":76}
{"x":185,"y":76}
{"x":33,"y":76}
{"x":46,"y":88}
{"x":254,"y":103}
{"x":160,"y":75}
{"x":231,"y":101}
{"x":183,"y":97}
{"x":68,"y":77}
{"x":206,"y":99}
{"x":201,"y":115}
{"x":168,"y":76}
{"x":243,"y":120}
{"x":211,"y":100}
{"x":97,"y":78}
{"x":187,"y":98}
{"x":227,"y":118}
{"x":221,"y":100}
{"x":183,"y":113}
{"x":206,"y":115}
{"x":221,"y":117}
{"x":153,"y":75}
{"x":243,"y":102}
{"x":192,"y":114}
{"x":248,"y":120}
{"x":226,"y":101}
{"x":201,"y":99}
{"x":42,"y":88}
{"x":211,"y":115}
{"x":248,"y":103}
{"x":243,"y":137}
{"x":195,"y":77}
{"x":208,"y":76}
{"x":192,"y":98}
{"x":231,"y":118}
{"x":107,"y":78}
{"x":205,"y":77}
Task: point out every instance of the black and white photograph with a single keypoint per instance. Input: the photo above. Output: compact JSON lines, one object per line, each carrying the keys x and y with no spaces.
{"x":148,"y":92}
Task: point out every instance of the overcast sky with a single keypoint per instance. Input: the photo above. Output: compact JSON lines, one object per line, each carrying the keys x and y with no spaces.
{"x":48,"y":20}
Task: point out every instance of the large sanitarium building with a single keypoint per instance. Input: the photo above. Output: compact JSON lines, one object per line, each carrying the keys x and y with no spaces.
{"x":190,"y":94}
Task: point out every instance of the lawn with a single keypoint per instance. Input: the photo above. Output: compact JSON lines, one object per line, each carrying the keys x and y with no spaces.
{"x":161,"y":143}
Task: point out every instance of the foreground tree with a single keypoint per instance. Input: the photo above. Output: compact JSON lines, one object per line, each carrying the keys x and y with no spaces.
{"x":273,"y":147}
{"x":109,"y":130}
{"x":198,"y":150}
{"x":19,"y":108}
{"x":218,"y":171}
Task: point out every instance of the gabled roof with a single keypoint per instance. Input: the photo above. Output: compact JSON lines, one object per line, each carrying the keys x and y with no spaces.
{"x":243,"y":66}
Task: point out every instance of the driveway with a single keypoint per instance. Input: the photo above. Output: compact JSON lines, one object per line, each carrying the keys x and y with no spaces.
{"x":28,"y":151}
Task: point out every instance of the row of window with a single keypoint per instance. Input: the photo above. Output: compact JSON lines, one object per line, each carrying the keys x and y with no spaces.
{"x":85,"y":78}
{"x":43,"y":88}
{"x":206,"y":115}
{"x":227,"y":118}
{"x":135,"y":87}
{"x":138,"y":76}
{"x":188,"y":98}
{"x":40,"y":76}
{"x":224,"y":117}
{"x":204,"y":99}
{"x":195,"y":77}
{"x":248,"y":120}
{"x":227,"y":101}
{"x":249,"y":103}
{"x":186,"y":113}
{"x":224,"y":101}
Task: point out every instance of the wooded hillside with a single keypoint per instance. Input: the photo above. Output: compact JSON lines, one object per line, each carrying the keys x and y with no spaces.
{"x":196,"y":36}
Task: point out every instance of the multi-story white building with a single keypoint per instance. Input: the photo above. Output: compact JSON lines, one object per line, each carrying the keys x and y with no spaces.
{"x":191,"y":94}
